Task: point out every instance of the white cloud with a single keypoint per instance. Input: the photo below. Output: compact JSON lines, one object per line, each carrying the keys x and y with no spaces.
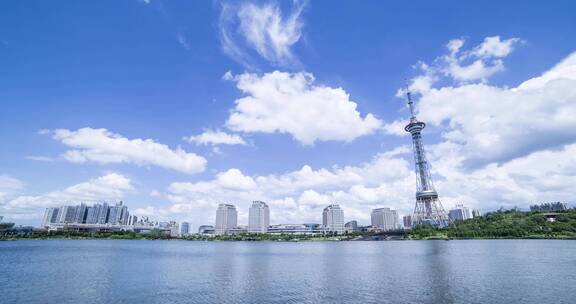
{"x":484,"y":60}
{"x":479,"y":69}
{"x":104,"y":147}
{"x":234,"y":179}
{"x":111,"y":186}
{"x":9,"y":186}
{"x":40,"y":158}
{"x":494,"y":47}
{"x":292,"y":103}
{"x":262,"y":28}
{"x":542,"y":176}
{"x":299,"y":196}
{"x":501,"y":147}
{"x":210,"y":137}
{"x":465,"y":66}
{"x":183,"y":41}
{"x":494,"y":124}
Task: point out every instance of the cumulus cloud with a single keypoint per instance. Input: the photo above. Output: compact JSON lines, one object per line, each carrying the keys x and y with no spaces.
{"x":111,"y":186}
{"x":496,"y":124}
{"x":495,"y":47}
{"x":262,"y":28}
{"x":293,"y":103}
{"x":542,"y":176}
{"x":104,"y":147}
{"x":9,"y":185}
{"x":477,"y":64}
{"x":210,"y":137}
{"x":300,"y":195}
{"x":501,"y":147}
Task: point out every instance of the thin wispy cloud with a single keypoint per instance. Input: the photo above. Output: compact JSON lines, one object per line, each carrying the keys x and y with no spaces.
{"x":463,"y":66}
{"x":183,"y":41}
{"x":249,"y":29}
{"x":40,"y":158}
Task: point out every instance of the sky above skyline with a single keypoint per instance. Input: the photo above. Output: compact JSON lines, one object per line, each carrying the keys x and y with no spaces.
{"x":176,"y":106}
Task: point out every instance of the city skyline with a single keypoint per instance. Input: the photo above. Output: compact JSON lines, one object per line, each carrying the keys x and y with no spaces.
{"x":178,"y":107}
{"x":331,"y":219}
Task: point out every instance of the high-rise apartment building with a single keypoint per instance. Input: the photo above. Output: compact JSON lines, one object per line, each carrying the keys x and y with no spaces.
{"x":407,"y":220}
{"x":184,"y":229}
{"x":226,"y":219}
{"x":103,"y":211}
{"x":476,"y":213}
{"x":333,"y":218}
{"x":132,"y":220}
{"x":66,"y":214}
{"x":50,"y":216}
{"x":459,"y":213}
{"x":258,"y":217}
{"x":384,"y":218}
{"x":118,"y":214}
{"x":83,"y":214}
{"x":80,"y":214}
{"x":97,"y":214}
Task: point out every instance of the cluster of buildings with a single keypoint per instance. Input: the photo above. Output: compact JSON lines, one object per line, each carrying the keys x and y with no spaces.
{"x":383,"y":219}
{"x":105,"y":217}
{"x":83,"y":214}
{"x":555,"y":206}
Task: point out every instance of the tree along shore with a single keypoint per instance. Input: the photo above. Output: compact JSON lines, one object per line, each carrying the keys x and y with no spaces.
{"x":503,"y":224}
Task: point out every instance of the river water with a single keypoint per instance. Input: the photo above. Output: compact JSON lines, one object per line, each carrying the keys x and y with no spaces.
{"x":119,"y":271}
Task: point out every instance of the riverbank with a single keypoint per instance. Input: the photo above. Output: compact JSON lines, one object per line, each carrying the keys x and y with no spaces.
{"x":504,"y":224}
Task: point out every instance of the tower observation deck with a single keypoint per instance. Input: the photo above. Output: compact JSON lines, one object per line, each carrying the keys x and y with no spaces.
{"x":428,"y":209}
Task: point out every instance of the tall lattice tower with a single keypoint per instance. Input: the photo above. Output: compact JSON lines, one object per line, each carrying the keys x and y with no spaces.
{"x":428,"y":209}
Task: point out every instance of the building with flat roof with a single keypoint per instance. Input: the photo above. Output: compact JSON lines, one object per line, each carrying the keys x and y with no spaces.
{"x":384,"y":219}
{"x":476,"y":213}
{"x":351,"y":226}
{"x":258,"y":217}
{"x":333,"y":218}
{"x":459,"y":213}
{"x":226,"y":219}
{"x":50,"y":216}
{"x":184,"y":229}
{"x":297,"y":229}
{"x":407,"y":221}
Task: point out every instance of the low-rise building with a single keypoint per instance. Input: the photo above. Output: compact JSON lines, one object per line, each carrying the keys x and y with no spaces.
{"x":206,"y":230}
{"x":351,"y":226}
{"x":298,"y":229}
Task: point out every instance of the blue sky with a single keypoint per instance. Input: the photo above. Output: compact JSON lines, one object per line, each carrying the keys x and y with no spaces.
{"x":298,"y":103}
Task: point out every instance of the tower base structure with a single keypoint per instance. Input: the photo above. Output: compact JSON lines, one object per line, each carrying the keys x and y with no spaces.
{"x":429,"y":211}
